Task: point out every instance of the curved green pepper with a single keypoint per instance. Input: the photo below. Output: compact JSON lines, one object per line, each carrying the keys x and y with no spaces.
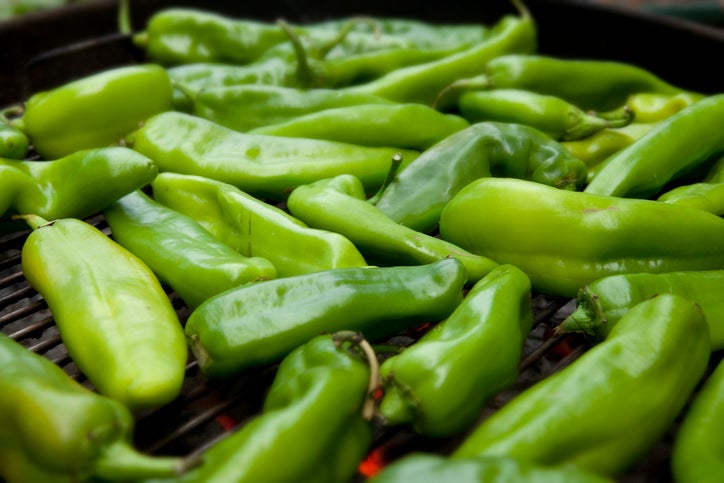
{"x":416,"y":197}
{"x":115,"y":319}
{"x":703,"y":196}
{"x":259,"y":324}
{"x":14,"y":143}
{"x":431,"y":468}
{"x":603,"y":302}
{"x":255,"y":228}
{"x":95,"y":111}
{"x":312,"y":426}
{"x":75,"y":186}
{"x":607,"y":408}
{"x":264,"y":166}
{"x":194,"y":263}
{"x":552,"y":115}
{"x":672,"y":148}
{"x":698,"y":444}
{"x":650,"y":107}
{"x":339,"y":205}
{"x":52,"y":429}
{"x":405,"y":126}
{"x":441,"y":383}
{"x":565,"y":239}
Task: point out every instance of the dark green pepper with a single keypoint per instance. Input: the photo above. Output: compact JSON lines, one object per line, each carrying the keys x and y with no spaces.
{"x":312,"y":427}
{"x":260,"y":323}
{"x":602,"y":303}
{"x":607,"y":408}
{"x":114,"y":318}
{"x":255,"y":228}
{"x":263,"y":166}
{"x":182,"y":254}
{"x":339,"y":205}
{"x":53,"y":429}
{"x":671,"y":149}
{"x":441,"y":383}
{"x":698,"y":444}
{"x":418,"y":194}
{"x":565,"y":239}
{"x":95,"y":111}
{"x":431,"y":468}
{"x":75,"y":186}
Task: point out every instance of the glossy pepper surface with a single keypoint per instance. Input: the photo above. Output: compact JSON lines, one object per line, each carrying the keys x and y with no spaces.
{"x":704,"y":196}
{"x":432,"y":468}
{"x":339,"y":205}
{"x":579,"y":237}
{"x":114,"y":318}
{"x":180,"y":251}
{"x":312,"y":426}
{"x":417,"y":195}
{"x":672,"y":148}
{"x":54,"y":430}
{"x":255,"y":228}
{"x":602,"y":303}
{"x":263,"y":166}
{"x":14,"y":143}
{"x":95,"y":111}
{"x":441,"y":383}
{"x":607,"y":408}
{"x":75,"y":186}
{"x":259,"y":324}
{"x":698,"y":444}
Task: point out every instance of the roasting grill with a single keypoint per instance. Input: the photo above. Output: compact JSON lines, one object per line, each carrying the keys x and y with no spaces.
{"x":208,"y":409}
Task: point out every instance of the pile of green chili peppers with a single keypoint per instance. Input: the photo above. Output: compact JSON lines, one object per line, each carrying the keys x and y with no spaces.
{"x":312,"y":190}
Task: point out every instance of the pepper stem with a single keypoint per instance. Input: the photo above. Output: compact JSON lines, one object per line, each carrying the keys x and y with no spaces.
{"x":358,"y":340}
{"x":391,"y":174}
{"x":120,"y":461}
{"x":345,"y":30}
{"x":34,"y":221}
{"x":124,"y":17}
{"x":478,"y":82}
{"x":305,"y":74}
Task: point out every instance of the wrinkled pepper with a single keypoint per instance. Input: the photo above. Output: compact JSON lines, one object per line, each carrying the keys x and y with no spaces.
{"x":579,"y":237}
{"x":313,"y":425}
{"x":339,"y":205}
{"x":182,"y":254}
{"x":552,"y":115}
{"x":404,"y":126}
{"x":259,"y":324}
{"x":75,"y":186}
{"x":417,"y":195}
{"x":255,"y":228}
{"x":114,"y":318}
{"x":698,"y":444}
{"x":433,"y":468}
{"x":602,"y":303}
{"x":95,"y":111}
{"x":54,"y":430}
{"x":703,"y":196}
{"x":671,"y":149}
{"x":650,"y":107}
{"x":264,"y":166}
{"x":441,"y":383}
{"x":607,"y":408}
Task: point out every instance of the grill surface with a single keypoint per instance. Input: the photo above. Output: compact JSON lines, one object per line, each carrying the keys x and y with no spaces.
{"x":209,"y":409}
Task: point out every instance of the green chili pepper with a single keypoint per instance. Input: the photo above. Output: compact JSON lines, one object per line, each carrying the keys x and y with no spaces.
{"x":432,"y":468}
{"x":180,"y":251}
{"x":95,"y":111}
{"x":114,"y":318}
{"x":703,"y":196}
{"x":74,"y":186}
{"x":565,"y":239}
{"x":422,"y":83}
{"x":245,"y":107}
{"x":603,"y":302}
{"x":715,"y":174}
{"x":264,"y":166}
{"x":607,"y":408}
{"x":14,"y":143}
{"x":405,"y":126}
{"x":255,"y":228}
{"x":338,"y":204}
{"x":54,"y":429}
{"x":441,"y":383}
{"x":260,"y":323}
{"x":671,"y":149}
{"x":418,"y":194}
{"x":552,"y":115}
{"x":698,"y":446}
